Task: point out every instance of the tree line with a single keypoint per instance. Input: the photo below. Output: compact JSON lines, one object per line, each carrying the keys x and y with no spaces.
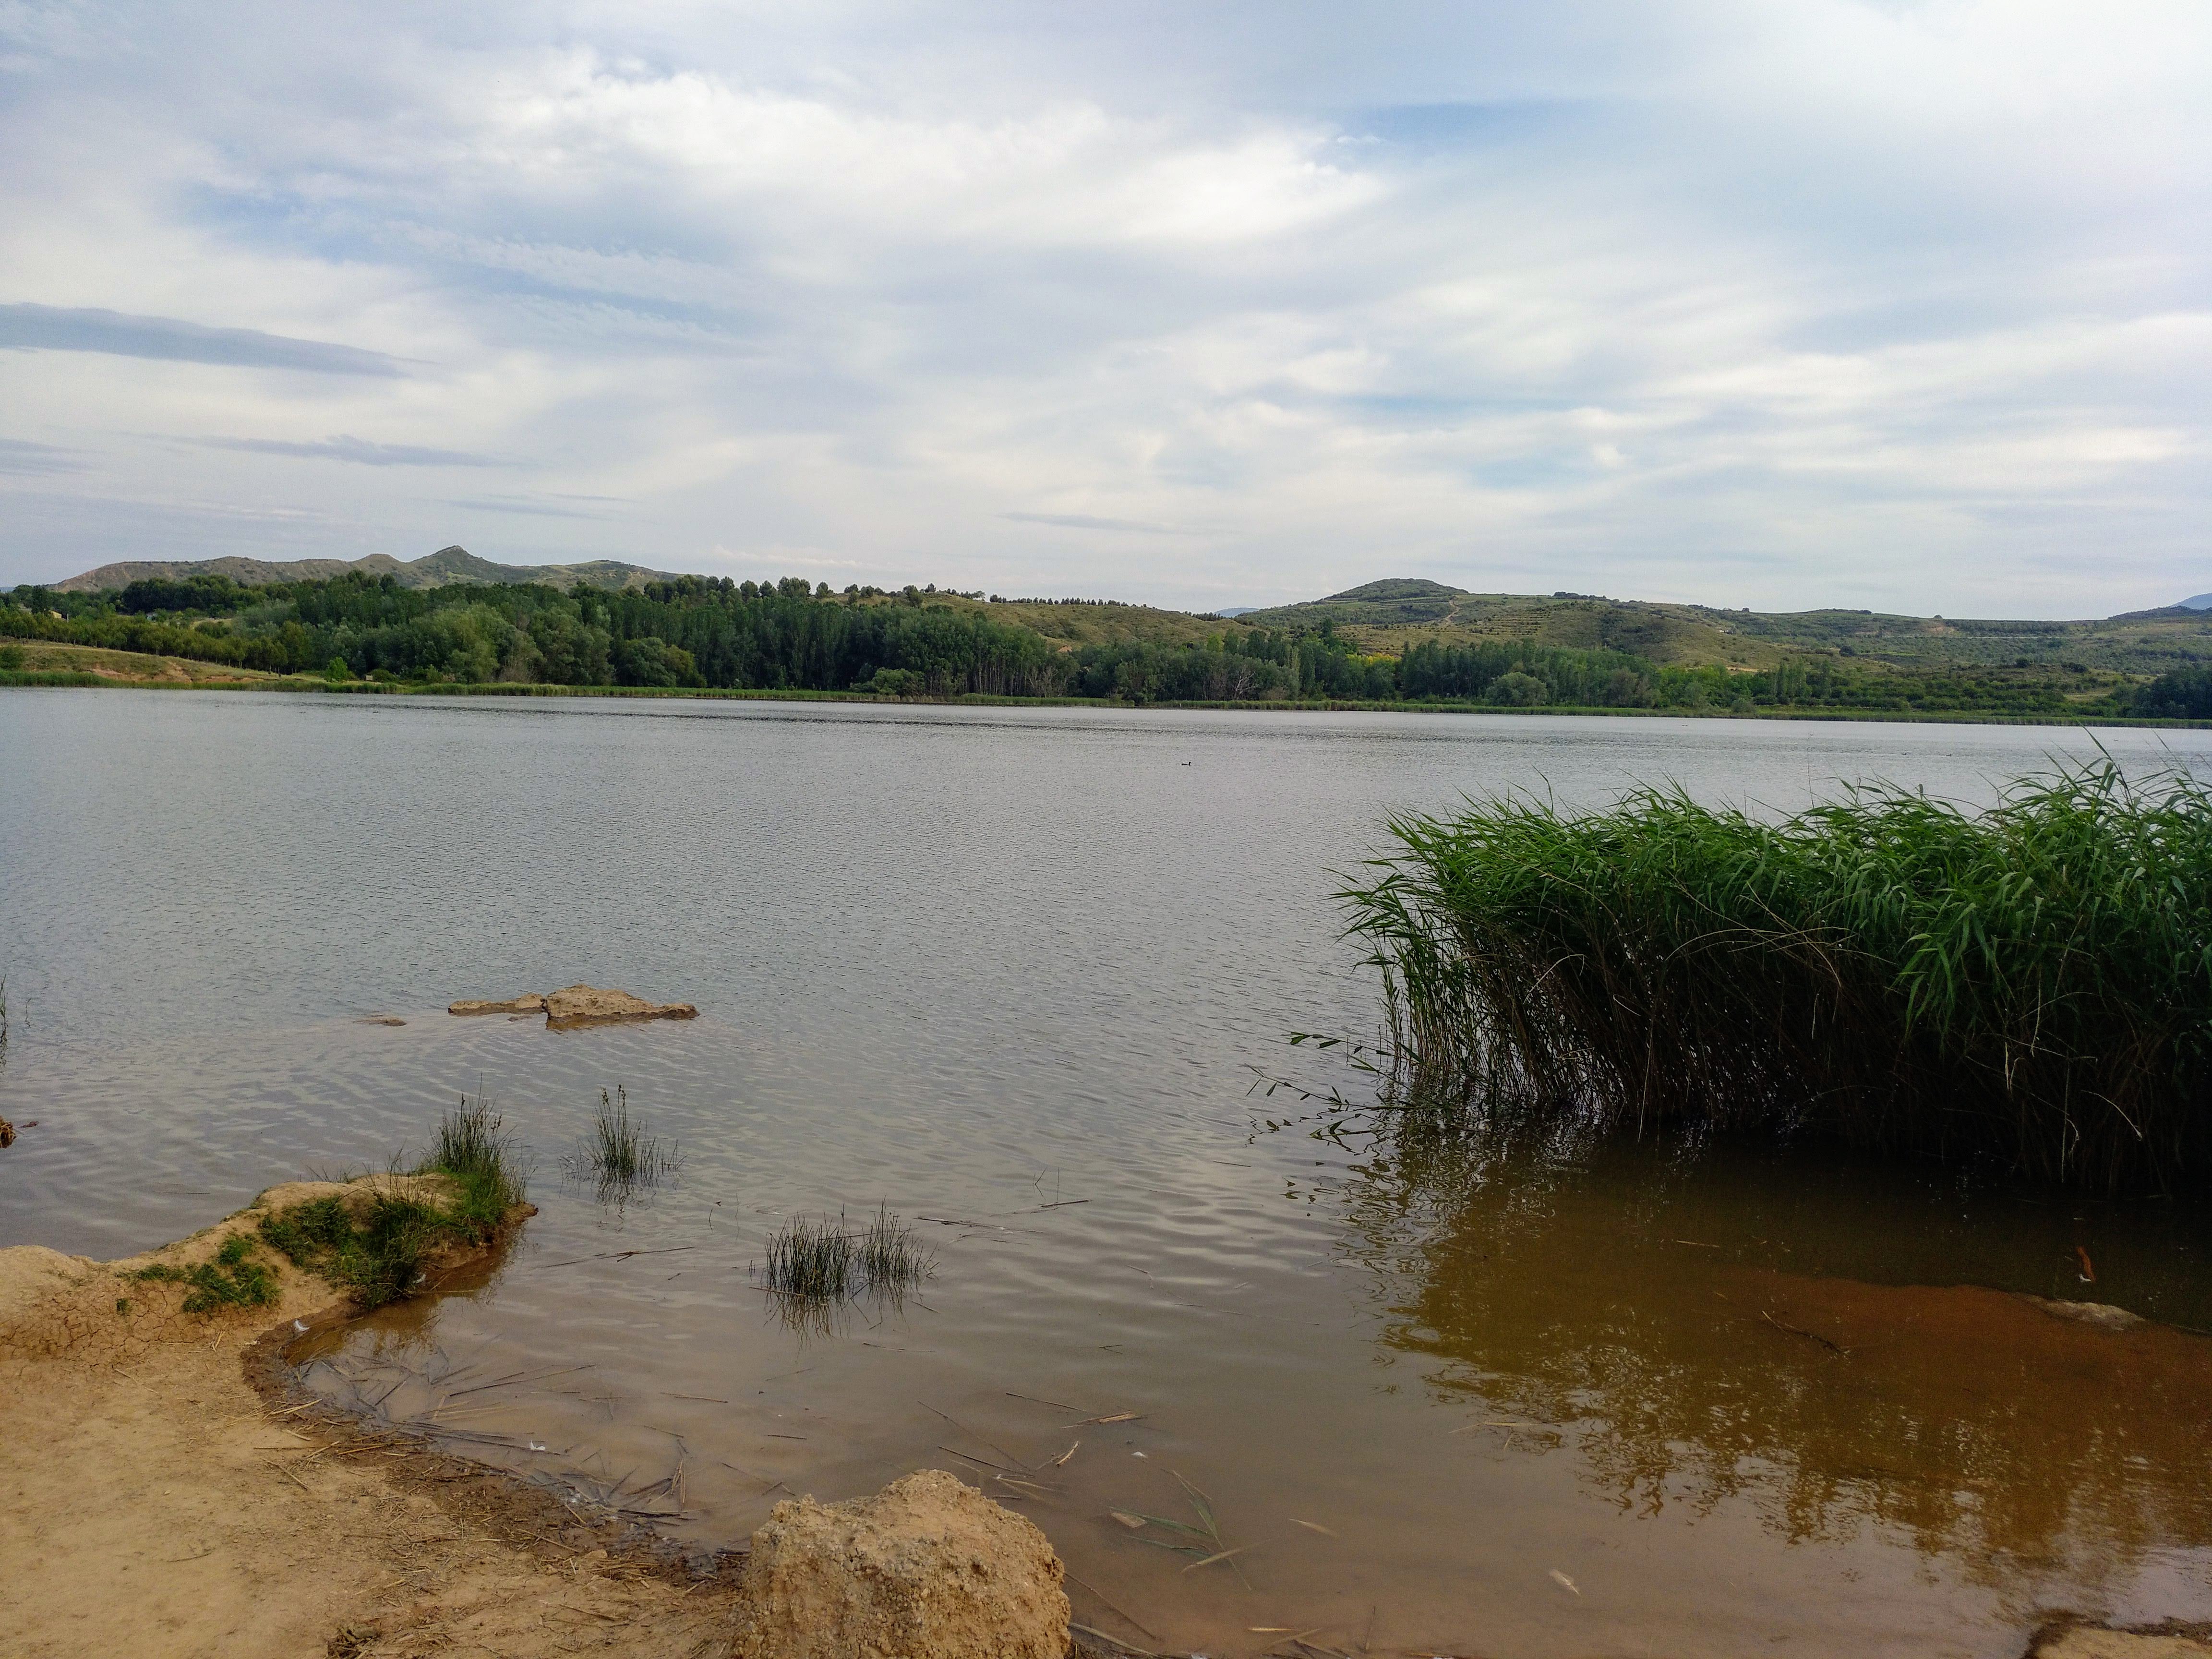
{"x":793,"y":635}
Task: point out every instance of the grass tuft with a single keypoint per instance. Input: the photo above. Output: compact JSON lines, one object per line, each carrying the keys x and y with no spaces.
{"x":891,"y":1258}
{"x":2031,"y":985}
{"x":472,"y":1146}
{"x":619,"y":1156}
{"x":233,"y":1280}
{"x":816,"y":1260}
{"x":375,"y":1245}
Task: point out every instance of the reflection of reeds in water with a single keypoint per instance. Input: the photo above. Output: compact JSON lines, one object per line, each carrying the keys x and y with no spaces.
{"x":2028,"y":984}
{"x":620,"y":1157}
{"x":814,"y":1264}
{"x":1574,"y":1309}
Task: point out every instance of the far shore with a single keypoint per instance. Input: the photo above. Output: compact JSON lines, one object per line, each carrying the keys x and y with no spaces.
{"x":90,"y":669}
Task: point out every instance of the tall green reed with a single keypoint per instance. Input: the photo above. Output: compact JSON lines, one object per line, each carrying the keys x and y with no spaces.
{"x":2031,"y":984}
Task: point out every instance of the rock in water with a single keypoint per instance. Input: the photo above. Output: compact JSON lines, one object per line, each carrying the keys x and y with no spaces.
{"x":2102,"y":1314}
{"x":582,"y":1004}
{"x":927,"y":1569}
{"x":529,"y":1004}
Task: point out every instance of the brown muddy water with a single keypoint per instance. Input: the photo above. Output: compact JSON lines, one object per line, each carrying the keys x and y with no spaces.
{"x":1014,"y":975}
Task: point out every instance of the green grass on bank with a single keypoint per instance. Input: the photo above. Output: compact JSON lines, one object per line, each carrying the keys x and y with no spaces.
{"x":2031,"y":985}
{"x":308,"y":682}
{"x":375,"y":1246}
{"x":233,"y":1280}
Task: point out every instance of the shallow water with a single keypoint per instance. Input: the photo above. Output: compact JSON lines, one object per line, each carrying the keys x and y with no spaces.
{"x":1013,"y":971}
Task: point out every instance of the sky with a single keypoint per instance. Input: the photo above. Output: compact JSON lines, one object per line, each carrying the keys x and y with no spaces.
{"x":1783,"y":304}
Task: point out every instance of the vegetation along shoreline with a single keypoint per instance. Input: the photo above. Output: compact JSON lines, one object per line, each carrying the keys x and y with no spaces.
{"x":310,"y":684}
{"x":2029,"y":986}
{"x":1393,"y":645}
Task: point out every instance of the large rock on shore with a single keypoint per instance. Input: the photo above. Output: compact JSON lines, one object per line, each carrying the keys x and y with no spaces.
{"x":928,"y":1568}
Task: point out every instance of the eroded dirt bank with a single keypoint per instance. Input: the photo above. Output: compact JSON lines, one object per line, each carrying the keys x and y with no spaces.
{"x":160,"y":1494}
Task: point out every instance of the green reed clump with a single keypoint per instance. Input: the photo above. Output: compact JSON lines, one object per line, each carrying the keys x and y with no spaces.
{"x":619,"y":1154}
{"x":891,"y":1258}
{"x":814,"y":1259}
{"x":2032,"y":983}
{"x":233,"y":1280}
{"x":472,"y":1146}
{"x":374,"y":1243}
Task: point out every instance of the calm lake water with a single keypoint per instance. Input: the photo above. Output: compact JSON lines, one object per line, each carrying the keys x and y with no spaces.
{"x":1014,"y":973}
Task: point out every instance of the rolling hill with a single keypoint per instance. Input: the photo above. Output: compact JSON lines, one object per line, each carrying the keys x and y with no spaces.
{"x":1388,"y":617}
{"x":447,"y":565}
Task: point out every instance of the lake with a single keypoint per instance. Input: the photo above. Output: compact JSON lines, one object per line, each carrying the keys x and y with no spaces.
{"x":1024,"y":977}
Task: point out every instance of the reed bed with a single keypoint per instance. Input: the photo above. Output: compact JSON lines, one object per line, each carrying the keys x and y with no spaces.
{"x":2031,"y":984}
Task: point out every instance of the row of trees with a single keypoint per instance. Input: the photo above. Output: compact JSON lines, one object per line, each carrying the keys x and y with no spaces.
{"x":793,"y":635}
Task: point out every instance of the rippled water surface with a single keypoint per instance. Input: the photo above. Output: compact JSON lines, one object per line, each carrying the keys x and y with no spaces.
{"x":1014,"y":973}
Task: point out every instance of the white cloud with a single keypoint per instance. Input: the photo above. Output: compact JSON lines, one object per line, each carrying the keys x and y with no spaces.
{"x":1816,"y":302}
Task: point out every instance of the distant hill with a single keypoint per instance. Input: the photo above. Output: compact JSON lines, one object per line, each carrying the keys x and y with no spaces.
{"x":1384,"y":618}
{"x":447,"y":565}
{"x":1387,"y":617}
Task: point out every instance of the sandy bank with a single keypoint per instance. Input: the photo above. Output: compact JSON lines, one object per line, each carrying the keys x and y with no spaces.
{"x":160,"y":1495}
{"x":166,"y":1490}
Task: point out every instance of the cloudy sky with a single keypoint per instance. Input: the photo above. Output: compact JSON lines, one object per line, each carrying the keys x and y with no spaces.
{"x":1781,"y":303}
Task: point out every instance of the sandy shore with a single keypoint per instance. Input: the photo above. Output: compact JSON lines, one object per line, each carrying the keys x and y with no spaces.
{"x":163,"y":1493}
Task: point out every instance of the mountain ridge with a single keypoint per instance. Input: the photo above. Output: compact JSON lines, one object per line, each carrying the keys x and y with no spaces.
{"x":447,"y":565}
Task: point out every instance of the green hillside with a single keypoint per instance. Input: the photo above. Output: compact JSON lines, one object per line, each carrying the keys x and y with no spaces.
{"x":1388,"y":617}
{"x":1388,"y":643}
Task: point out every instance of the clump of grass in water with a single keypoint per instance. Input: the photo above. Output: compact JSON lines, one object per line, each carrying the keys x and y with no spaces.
{"x":891,"y":1258}
{"x":375,"y":1249}
{"x":230,"y":1280}
{"x":619,"y":1155}
{"x":817,"y":1260}
{"x":2031,"y":985}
